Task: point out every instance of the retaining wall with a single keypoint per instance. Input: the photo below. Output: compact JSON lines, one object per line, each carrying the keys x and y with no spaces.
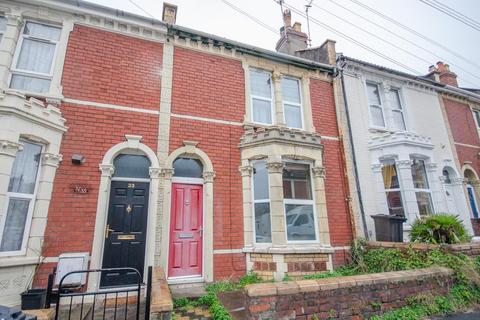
{"x":352,"y":297}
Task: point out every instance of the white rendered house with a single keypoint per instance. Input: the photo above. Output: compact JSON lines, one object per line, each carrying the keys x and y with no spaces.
{"x":400,"y":146}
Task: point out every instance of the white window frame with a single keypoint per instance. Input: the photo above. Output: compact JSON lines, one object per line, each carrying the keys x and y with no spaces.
{"x":27,"y":73}
{"x":381,"y":106}
{"x":301,"y":202}
{"x":400,"y":186}
{"x":254,"y":201}
{"x":2,"y":32}
{"x":271,"y":100}
{"x":470,"y":187}
{"x":31,"y":206}
{"x":401,"y":110}
{"x":429,"y":190}
{"x":477,"y":124}
{"x":300,"y":105}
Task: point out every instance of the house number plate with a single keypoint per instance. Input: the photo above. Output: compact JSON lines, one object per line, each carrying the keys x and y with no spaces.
{"x":126,"y":237}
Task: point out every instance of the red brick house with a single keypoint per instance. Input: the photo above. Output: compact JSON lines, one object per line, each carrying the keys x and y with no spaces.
{"x":182,"y":149}
{"x":462,"y":111}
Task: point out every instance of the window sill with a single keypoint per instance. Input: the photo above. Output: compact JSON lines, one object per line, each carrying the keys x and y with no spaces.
{"x":292,"y":248}
{"x":248,"y":125}
{"x":51,"y":98}
{"x":13,"y":261}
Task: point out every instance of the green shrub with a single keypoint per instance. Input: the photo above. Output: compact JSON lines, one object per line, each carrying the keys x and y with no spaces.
{"x":439,"y":228}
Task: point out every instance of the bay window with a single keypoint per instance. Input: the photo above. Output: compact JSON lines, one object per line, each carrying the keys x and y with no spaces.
{"x":34,"y":58}
{"x":375,"y":106}
{"x":261,"y":203}
{"x":397,"y":110}
{"x":393,"y":191}
{"x":298,"y":199}
{"x":20,"y":198}
{"x":421,"y":187}
{"x":261,"y":96}
{"x":292,"y":103}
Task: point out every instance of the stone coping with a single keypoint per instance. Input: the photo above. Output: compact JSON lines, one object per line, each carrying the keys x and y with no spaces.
{"x":161,"y":297}
{"x":425,"y":246}
{"x":289,"y":249}
{"x":304,"y":286}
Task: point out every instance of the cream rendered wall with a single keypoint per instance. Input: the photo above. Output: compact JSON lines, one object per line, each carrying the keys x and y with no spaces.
{"x":423,"y":117}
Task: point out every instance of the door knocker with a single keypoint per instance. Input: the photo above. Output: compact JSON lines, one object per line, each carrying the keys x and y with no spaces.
{"x":129,"y":208}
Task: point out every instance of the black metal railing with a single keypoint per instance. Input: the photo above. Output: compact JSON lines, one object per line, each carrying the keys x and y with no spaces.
{"x":111,"y":303}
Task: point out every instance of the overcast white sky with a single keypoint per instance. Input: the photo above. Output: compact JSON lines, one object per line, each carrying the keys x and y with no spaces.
{"x":214,"y":16}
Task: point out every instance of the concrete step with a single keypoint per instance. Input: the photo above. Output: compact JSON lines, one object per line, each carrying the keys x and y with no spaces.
{"x":187,"y":290}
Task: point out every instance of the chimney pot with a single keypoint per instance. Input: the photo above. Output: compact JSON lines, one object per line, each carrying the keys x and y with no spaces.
{"x":297,"y":26}
{"x":169,"y":14}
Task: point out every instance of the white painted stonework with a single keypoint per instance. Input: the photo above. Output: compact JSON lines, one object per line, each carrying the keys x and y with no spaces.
{"x":426,"y":137}
{"x":32,"y":120}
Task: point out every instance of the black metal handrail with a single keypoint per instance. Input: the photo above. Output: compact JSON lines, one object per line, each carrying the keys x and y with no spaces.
{"x":136,"y":287}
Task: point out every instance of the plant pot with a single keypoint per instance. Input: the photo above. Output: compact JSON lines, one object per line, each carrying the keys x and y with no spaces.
{"x":33,"y":299}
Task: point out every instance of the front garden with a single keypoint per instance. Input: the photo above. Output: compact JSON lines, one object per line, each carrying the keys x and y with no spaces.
{"x":366,"y":260}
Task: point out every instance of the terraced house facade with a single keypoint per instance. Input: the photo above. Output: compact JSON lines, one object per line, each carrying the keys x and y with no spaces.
{"x":414,"y":144}
{"x":127,"y":141}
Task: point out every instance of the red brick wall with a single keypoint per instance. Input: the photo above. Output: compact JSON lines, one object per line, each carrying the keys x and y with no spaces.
{"x":220,"y":143}
{"x":111,"y":68}
{"x":464,"y":130}
{"x":213,"y":87}
{"x":461,"y":122}
{"x":325,"y":122}
{"x":354,"y":297}
{"x":92,"y":131}
{"x":104,"y":67}
{"x":206,"y":85}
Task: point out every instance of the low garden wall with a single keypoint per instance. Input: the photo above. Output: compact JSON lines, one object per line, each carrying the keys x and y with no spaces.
{"x":471,"y":249}
{"x":351,"y":297}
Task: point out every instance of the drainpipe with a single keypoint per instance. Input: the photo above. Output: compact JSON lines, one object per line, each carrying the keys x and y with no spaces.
{"x":350,"y":135}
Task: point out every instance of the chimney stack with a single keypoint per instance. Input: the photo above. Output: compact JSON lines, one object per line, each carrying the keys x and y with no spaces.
{"x":292,"y":39}
{"x":169,"y":14}
{"x":441,"y":73}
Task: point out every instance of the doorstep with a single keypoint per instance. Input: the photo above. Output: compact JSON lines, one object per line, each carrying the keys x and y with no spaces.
{"x":188,"y":290}
{"x":41,"y":314}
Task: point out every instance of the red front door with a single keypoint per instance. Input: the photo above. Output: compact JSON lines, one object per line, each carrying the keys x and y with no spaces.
{"x":186,"y":227}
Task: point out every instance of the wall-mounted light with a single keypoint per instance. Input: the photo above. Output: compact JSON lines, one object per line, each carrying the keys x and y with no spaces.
{"x":78,"y":159}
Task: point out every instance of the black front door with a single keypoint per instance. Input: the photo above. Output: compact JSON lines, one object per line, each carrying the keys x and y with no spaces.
{"x":125,"y":232}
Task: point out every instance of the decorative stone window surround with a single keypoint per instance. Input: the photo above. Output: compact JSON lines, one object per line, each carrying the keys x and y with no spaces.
{"x":66,"y":16}
{"x":384,"y":87}
{"x":402,"y":147}
{"x":277,"y":145}
{"x":278,"y":71}
{"x":16,"y":19}
{"x":30,"y":119}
